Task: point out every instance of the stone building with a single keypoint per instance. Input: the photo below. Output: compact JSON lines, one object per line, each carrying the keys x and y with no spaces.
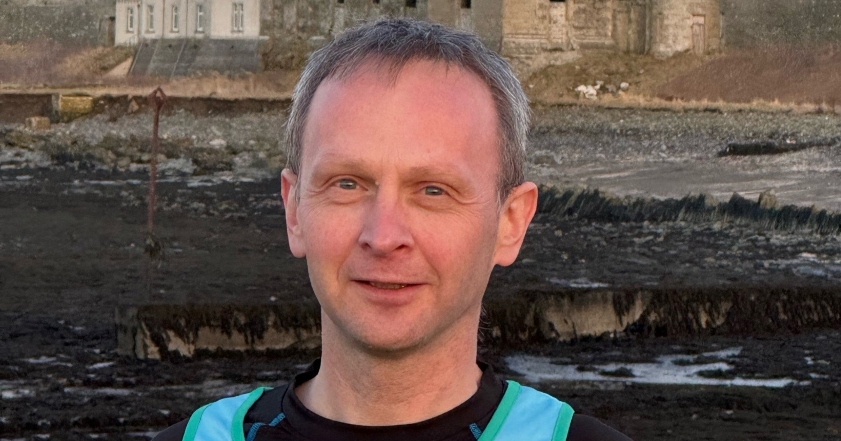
{"x":530,"y":33}
{"x":761,"y":23}
{"x":183,"y":37}
{"x":76,"y":22}
{"x":137,"y":20}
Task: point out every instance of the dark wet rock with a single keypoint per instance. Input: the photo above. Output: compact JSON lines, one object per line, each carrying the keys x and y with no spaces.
{"x":23,"y":158}
{"x":73,"y":251}
{"x":719,"y":374}
{"x":209,"y":160}
{"x":701,"y":359}
{"x":770,"y":147}
{"x":768,"y":199}
{"x":596,"y":205}
{"x":19,"y":138}
{"x":521,"y":319}
{"x":177,"y":167}
{"x":621,"y":372}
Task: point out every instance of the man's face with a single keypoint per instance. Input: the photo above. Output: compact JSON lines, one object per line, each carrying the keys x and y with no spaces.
{"x":396,"y":208}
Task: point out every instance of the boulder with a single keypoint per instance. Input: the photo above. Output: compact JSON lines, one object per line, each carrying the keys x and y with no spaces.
{"x":768,"y":199}
{"x":38,"y":123}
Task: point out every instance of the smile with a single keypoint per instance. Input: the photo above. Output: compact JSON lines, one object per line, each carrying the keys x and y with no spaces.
{"x":381,"y":285}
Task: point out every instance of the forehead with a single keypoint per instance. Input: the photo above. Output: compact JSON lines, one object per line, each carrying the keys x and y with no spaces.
{"x":445,"y":86}
{"x":422,"y":103}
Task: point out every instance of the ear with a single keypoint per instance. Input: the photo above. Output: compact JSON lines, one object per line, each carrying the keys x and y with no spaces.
{"x":288,"y":190}
{"x":514,"y":221}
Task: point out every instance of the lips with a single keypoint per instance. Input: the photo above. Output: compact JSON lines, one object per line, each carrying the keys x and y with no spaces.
{"x":382,"y":285}
{"x":388,"y":293}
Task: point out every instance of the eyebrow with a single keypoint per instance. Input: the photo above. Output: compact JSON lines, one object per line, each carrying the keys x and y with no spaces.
{"x":332,"y":163}
{"x":449,"y":173}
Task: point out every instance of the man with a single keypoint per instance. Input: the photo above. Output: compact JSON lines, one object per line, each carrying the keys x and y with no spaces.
{"x":404,"y":189}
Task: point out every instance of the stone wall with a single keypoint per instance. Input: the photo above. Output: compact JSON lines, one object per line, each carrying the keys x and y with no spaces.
{"x":296,"y":27}
{"x":487,"y":22}
{"x":592,"y":23}
{"x":684,"y":25}
{"x":537,"y":33}
{"x":750,"y":23}
{"x":82,"y":22}
{"x":630,"y":26}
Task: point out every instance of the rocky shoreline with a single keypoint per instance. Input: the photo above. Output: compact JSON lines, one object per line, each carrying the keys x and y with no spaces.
{"x":72,"y":206}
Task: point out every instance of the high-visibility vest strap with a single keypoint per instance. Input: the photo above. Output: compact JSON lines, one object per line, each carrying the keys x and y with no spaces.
{"x":525,"y":414}
{"x":221,"y":420}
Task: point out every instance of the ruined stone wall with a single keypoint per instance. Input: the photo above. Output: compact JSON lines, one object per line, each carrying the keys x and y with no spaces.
{"x":684,"y":25}
{"x":487,"y":22}
{"x":530,"y":33}
{"x":749,"y":23}
{"x":297,"y":27}
{"x":536,"y":33}
{"x":445,"y":12}
{"x":329,"y":17}
{"x":75,"y":22}
{"x":630,"y":26}
{"x":592,"y":23}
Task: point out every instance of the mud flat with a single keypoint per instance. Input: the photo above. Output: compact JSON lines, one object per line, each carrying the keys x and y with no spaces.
{"x":740,"y":294}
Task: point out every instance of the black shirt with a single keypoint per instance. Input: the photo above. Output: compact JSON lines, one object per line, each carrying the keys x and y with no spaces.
{"x":300,"y":424}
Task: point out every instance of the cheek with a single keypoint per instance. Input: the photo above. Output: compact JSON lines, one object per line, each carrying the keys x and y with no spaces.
{"x":467,"y":243}
{"x":327,"y":234}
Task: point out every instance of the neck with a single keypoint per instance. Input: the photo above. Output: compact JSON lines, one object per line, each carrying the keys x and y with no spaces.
{"x":357,"y":387}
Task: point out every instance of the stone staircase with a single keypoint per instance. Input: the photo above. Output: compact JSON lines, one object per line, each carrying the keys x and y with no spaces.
{"x":180,"y":57}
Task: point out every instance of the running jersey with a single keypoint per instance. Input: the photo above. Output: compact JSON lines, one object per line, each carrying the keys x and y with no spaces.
{"x":277,"y":415}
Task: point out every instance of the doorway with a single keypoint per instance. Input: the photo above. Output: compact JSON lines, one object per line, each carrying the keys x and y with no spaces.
{"x":699,"y":35}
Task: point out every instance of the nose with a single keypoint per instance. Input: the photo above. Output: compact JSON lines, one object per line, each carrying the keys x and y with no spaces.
{"x":386,"y":226}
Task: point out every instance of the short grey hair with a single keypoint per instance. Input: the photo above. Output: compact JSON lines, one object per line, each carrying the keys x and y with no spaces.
{"x":396,"y":42}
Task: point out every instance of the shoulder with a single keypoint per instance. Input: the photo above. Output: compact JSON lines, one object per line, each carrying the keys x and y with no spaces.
{"x":216,"y":417}
{"x":536,"y":411}
{"x":587,"y":428}
{"x":174,"y":432}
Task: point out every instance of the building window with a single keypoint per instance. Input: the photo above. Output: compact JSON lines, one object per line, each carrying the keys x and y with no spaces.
{"x":174,"y":18}
{"x":376,"y":2}
{"x":341,"y":2}
{"x":465,"y":4}
{"x":411,"y":3}
{"x":199,"y":18}
{"x":239,"y":17}
{"x":557,"y":1}
{"x":150,"y":18}
{"x":130,"y":19}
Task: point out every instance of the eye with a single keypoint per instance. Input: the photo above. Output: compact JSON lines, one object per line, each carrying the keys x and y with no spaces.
{"x":347,"y":184}
{"x":431,"y":190}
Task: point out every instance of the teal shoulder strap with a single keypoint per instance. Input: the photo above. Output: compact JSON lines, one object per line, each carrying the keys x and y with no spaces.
{"x":527,"y":414}
{"x":221,"y":420}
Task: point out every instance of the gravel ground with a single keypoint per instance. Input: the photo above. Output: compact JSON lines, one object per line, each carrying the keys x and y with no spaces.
{"x":626,"y":152}
{"x":671,"y":154}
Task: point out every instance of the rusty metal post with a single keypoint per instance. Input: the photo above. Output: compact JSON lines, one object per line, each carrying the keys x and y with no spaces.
{"x":157,"y":99}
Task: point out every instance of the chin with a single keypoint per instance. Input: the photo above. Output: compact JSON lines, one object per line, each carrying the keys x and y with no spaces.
{"x":391,"y":345}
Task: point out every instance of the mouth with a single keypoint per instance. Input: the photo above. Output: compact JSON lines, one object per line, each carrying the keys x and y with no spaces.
{"x":384,"y":285}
